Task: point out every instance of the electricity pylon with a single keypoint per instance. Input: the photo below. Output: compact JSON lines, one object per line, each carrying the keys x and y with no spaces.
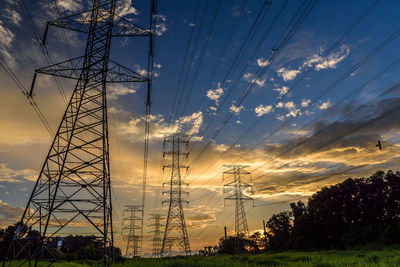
{"x":175,"y":232}
{"x":131,"y":224}
{"x":234,"y":191}
{"x":74,"y":188}
{"x":157,"y":233}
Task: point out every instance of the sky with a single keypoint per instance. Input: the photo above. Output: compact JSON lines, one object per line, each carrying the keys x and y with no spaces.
{"x":301,"y":100}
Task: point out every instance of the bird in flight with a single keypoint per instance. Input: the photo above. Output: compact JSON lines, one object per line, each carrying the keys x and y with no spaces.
{"x":379,"y":145}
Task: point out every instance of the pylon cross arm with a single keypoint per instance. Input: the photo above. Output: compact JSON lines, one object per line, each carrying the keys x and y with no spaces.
{"x":80,"y":22}
{"x":73,"y":68}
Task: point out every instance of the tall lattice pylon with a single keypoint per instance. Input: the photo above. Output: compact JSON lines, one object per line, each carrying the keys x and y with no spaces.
{"x":234,"y":192}
{"x":175,"y":233}
{"x":131,"y":225}
{"x":74,"y":188}
{"x":157,"y":239}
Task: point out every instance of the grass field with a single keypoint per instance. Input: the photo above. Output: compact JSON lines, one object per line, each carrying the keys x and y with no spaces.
{"x":387,"y":256}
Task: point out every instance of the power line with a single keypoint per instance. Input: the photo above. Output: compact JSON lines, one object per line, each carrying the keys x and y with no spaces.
{"x":239,"y":55}
{"x":203,"y":50}
{"x":25,"y":92}
{"x":196,"y":42}
{"x":279,"y":45}
{"x":150,"y":70}
{"x":42,"y":45}
{"x":335,"y":83}
{"x":351,"y":131}
{"x":188,"y":45}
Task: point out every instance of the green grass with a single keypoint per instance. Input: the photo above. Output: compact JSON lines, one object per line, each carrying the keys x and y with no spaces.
{"x":355,"y":257}
{"x":365,"y":256}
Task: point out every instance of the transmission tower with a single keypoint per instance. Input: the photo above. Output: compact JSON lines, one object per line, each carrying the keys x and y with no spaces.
{"x":74,"y":187}
{"x":175,"y":233}
{"x":157,"y":240}
{"x":234,"y":191}
{"x":131,"y":225}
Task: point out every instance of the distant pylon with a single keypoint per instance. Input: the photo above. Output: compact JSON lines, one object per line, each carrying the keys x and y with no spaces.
{"x":131,"y":225}
{"x":157,"y":239}
{"x":234,"y":191}
{"x":74,"y":187}
{"x":175,"y":227}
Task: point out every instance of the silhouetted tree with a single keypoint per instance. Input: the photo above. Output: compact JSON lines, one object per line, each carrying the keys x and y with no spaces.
{"x":354,"y":212}
{"x":73,"y":247}
{"x":228,"y":246}
{"x":279,"y":228}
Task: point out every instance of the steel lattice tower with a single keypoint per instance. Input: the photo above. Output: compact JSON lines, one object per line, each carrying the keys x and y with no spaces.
{"x":131,"y":224}
{"x":157,"y":240}
{"x":234,"y":191}
{"x":175,"y":227}
{"x":74,"y":187}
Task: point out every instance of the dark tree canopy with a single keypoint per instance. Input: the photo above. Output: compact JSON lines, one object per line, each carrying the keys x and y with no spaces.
{"x":354,"y":212}
{"x":73,"y":247}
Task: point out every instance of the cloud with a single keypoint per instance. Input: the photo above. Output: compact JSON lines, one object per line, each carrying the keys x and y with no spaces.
{"x":261,"y":110}
{"x":262,"y":62}
{"x":69,"y":5}
{"x":157,"y":66}
{"x":236,"y":11}
{"x":316,"y":61}
{"x":8,"y":174}
{"x":161,"y":24}
{"x":6,"y":40}
{"x":125,"y":7}
{"x":250,"y":78}
{"x":236,"y":109}
{"x":9,"y":215}
{"x":329,"y":62}
{"x":215,"y":94}
{"x":191,"y":124}
{"x":291,"y":107}
{"x":202,"y":217}
{"x":12,"y":16}
{"x":305,"y":102}
{"x":282,"y":90}
{"x":221,"y":147}
{"x":132,"y":127}
{"x":287,"y":74}
{"x":117,"y":90}
{"x":325,"y":105}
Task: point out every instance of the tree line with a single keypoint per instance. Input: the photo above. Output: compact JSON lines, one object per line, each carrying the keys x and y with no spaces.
{"x":71,"y":247}
{"x":354,"y":212}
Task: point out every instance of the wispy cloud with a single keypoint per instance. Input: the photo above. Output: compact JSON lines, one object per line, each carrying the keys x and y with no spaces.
{"x":6,"y":43}
{"x":250,"y":78}
{"x":329,"y":62}
{"x":215,"y":94}
{"x":8,"y":214}
{"x":191,"y":124}
{"x":161,"y":24}
{"x":261,"y":110}
{"x":316,"y":61}
{"x":262,"y":62}
{"x":117,"y":90}
{"x":305,"y":102}
{"x":8,"y":174}
{"x":70,"y":5}
{"x":325,"y":105}
{"x":282,"y":90}
{"x":287,"y":74}
{"x":124,"y":8}
{"x":13,"y":16}
{"x":236,"y":109}
{"x":290,"y":106}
